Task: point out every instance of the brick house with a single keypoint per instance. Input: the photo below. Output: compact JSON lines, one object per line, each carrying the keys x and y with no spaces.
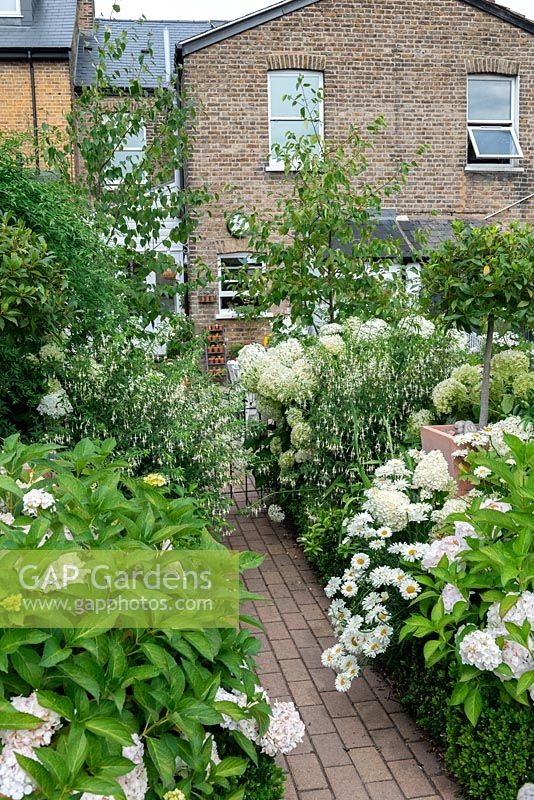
{"x":455,"y":74}
{"x":38,"y":42}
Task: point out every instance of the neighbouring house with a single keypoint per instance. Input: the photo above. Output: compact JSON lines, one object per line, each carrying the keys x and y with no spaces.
{"x":455,"y":74}
{"x":37,"y":51}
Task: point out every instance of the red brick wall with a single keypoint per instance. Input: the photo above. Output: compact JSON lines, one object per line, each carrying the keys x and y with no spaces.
{"x":408,"y":61}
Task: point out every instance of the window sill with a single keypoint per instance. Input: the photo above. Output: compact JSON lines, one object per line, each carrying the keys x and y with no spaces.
{"x":279,"y":168}
{"x":275,"y":168}
{"x":493,"y":168}
{"x":266,"y":315}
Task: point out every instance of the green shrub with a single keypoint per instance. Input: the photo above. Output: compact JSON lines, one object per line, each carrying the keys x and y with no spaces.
{"x":167,"y":417}
{"x":340,"y":401}
{"x":103,"y":687}
{"x":55,"y":211}
{"x":265,"y":781}
{"x":492,"y":760}
{"x":33,"y":290}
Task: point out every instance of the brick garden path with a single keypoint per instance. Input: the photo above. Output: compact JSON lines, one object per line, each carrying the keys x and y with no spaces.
{"x":359,"y":745}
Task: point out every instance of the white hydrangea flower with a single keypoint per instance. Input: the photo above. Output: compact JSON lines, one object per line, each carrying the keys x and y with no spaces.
{"x":479,"y":649}
{"x":7,"y":518}
{"x":14,"y":782}
{"x":36,"y":499}
{"x":331,"y":329}
{"x":388,"y":507}
{"x":275,"y":514}
{"x":417,"y":325}
{"x":367,"y":331}
{"x":55,"y":405}
{"x":513,"y":425}
{"x":301,"y":435}
{"x":432,"y":473}
{"x":450,"y":546}
{"x":333,"y":343}
{"x":517,"y":657}
{"x":134,"y":783}
{"x":286,"y":730}
{"x":526,"y":792}
{"x":395,"y":467}
{"x":450,"y":596}
{"x":251,"y":359}
{"x":419,"y":512}
{"x":287,"y":352}
{"x":449,"y":395}
{"x":455,"y":505}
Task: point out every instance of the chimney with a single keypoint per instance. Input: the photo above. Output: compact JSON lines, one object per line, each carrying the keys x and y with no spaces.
{"x":85,"y":14}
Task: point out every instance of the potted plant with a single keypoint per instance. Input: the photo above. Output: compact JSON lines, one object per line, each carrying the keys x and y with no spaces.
{"x":481,"y":277}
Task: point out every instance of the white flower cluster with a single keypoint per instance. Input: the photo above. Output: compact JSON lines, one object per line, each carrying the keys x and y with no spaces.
{"x":282,"y":374}
{"x":275,"y":514}
{"x":15,"y":783}
{"x":286,"y":729}
{"x":479,"y":649}
{"x":367,"y":331}
{"x":526,"y":792}
{"x":55,"y":405}
{"x":418,"y":325}
{"x":493,"y":435}
{"x":135,"y":783}
{"x":36,"y":499}
{"x":432,"y":473}
{"x":395,"y":499}
{"x":332,"y":342}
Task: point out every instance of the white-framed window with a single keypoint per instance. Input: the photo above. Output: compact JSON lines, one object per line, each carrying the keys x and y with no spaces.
{"x":305,"y":117}
{"x":131,"y":150}
{"x":10,"y":8}
{"x":229,"y":267}
{"x":492,"y":120}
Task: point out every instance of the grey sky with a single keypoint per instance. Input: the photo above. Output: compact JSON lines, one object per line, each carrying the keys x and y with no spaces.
{"x":224,"y":9}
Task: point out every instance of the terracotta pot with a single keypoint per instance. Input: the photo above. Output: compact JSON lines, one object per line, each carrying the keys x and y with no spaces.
{"x":441,"y":437}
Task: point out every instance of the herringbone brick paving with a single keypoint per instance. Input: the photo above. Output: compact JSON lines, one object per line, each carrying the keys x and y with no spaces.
{"x":358,"y":746}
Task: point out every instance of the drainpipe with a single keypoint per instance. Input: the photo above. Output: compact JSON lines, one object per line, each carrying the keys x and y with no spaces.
{"x":179,"y":175}
{"x":34,"y":109}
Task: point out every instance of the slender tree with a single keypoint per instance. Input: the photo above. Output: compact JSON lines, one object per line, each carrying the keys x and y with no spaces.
{"x":317,"y":245}
{"x":480,"y":277}
{"x":134,"y":194}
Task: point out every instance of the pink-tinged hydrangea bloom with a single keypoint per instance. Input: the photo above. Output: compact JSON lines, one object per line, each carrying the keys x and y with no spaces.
{"x":450,"y":596}
{"x":449,"y":546}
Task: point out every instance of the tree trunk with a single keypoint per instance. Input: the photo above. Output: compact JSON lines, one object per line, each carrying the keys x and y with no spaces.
{"x":484,"y":394}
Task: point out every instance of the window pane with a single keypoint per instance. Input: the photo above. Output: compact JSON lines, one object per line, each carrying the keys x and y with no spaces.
{"x":126,"y":160}
{"x":490,"y":100}
{"x":279,"y":130}
{"x":134,"y":141}
{"x":498,"y":143}
{"x":9,"y":6}
{"x":283,"y":84}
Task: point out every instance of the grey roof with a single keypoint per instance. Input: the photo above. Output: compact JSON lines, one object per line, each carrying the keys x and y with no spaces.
{"x":140,"y":35}
{"x":51,"y":29}
{"x":414,"y":235}
{"x":206,"y":38}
